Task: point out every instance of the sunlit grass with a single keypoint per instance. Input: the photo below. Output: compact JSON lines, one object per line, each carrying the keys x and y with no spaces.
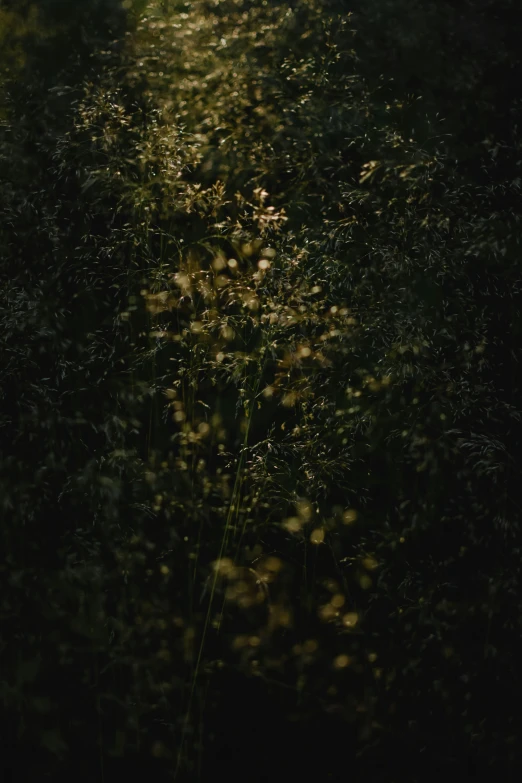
{"x":279,"y":334}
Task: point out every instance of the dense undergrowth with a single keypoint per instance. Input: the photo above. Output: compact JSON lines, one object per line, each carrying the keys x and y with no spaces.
{"x":260,"y":378}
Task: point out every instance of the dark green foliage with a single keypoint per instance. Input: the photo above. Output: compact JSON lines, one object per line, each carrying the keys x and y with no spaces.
{"x":260,"y":379}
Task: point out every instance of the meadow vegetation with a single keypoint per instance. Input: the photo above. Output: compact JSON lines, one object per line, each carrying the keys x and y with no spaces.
{"x":260,"y":389}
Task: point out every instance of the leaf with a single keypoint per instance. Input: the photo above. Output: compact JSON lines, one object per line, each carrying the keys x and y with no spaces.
{"x":54,"y":742}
